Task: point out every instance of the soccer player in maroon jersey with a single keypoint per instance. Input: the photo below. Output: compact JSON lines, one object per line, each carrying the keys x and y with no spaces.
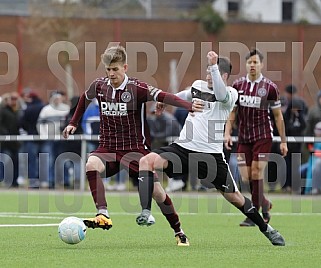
{"x":257,"y":95}
{"x":124,"y":133}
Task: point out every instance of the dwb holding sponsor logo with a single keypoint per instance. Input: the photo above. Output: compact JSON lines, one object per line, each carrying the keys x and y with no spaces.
{"x":110,"y":108}
{"x":250,"y":101}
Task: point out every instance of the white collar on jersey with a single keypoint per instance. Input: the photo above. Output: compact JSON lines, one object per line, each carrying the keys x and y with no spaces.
{"x":258,"y":80}
{"x":122,"y":86}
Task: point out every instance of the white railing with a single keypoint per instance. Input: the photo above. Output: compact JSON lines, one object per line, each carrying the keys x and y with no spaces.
{"x":86,"y":138}
{"x":83,"y":138}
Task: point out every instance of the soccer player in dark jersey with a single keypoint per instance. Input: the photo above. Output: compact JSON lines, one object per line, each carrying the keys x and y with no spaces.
{"x":256,"y":96}
{"x":199,"y":149}
{"x":124,"y":133}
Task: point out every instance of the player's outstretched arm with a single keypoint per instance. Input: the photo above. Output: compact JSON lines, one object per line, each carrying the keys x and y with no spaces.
{"x":219,"y":86}
{"x":171,"y":99}
{"x":184,"y":94}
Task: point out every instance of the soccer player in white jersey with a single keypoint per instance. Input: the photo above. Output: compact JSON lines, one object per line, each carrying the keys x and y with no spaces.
{"x":199,"y":149}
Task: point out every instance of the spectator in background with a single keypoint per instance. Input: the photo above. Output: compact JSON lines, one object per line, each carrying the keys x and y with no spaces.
{"x":29,"y":124}
{"x":162,"y":127}
{"x":314,"y":117}
{"x":291,"y":94}
{"x":294,"y":126}
{"x":50,"y":121}
{"x":316,"y":162}
{"x":9,"y":125}
{"x":90,"y":124}
{"x":71,"y":151}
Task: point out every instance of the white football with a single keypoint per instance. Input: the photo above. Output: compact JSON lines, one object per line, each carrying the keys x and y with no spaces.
{"x":72,"y":230}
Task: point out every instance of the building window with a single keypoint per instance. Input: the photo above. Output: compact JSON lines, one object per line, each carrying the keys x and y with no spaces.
{"x":287,"y":11}
{"x":233,"y":8}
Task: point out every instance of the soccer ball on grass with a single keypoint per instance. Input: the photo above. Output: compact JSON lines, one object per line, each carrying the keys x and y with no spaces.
{"x":72,"y":230}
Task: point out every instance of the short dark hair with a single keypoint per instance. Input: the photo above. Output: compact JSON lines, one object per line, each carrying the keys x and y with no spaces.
{"x":291,"y":89}
{"x":224,"y":65}
{"x":253,"y":52}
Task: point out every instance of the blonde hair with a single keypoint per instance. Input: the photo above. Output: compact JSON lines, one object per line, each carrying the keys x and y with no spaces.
{"x":116,"y":54}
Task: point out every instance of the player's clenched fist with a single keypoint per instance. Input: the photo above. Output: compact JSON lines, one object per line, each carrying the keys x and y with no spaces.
{"x":212,"y":58}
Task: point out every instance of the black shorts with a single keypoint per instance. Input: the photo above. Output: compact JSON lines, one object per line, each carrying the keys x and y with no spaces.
{"x":209,"y":167}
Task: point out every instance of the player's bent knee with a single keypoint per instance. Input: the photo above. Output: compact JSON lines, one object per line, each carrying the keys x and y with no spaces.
{"x":160,"y":163}
{"x":147,"y":162}
{"x":94,"y":163}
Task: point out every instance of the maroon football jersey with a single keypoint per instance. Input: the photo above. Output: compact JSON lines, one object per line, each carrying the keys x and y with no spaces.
{"x":123,"y":124}
{"x":254,"y":102}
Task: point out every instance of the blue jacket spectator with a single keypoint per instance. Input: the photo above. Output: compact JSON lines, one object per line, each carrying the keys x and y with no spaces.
{"x":91,"y":120}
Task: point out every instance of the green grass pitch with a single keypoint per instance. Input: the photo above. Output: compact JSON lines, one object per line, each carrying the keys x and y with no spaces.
{"x":29,"y":238}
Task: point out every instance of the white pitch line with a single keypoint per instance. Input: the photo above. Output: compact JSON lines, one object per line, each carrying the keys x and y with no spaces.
{"x":30,"y":217}
{"x":38,"y":216}
{"x":58,"y":215}
{"x":62,"y":216}
{"x":29,"y":225}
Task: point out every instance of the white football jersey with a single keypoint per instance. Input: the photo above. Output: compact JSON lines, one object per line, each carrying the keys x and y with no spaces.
{"x":204,"y":132}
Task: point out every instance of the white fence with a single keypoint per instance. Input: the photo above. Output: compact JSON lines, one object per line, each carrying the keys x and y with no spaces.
{"x":86,"y":138}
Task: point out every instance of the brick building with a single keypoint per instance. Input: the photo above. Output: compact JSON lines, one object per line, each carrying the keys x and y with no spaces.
{"x":293,"y":52}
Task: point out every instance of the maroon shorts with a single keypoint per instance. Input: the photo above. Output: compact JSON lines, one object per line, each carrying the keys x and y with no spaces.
{"x":256,"y":151}
{"x":118,"y":160}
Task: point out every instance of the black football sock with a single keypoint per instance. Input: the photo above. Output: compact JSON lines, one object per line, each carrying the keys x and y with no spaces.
{"x":146,"y":188}
{"x":251,"y":212}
